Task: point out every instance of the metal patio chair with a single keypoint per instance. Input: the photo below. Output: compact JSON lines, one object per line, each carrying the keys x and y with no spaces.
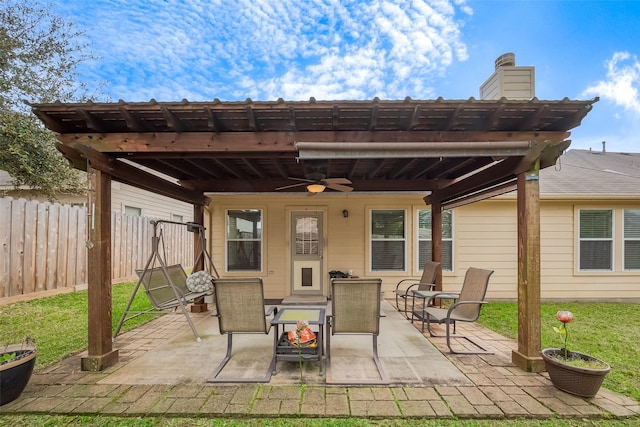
{"x":241,"y":310}
{"x":405,"y":287}
{"x":355,"y":309}
{"x":465,"y":308}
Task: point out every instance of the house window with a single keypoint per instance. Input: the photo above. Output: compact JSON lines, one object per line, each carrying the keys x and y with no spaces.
{"x":388,"y":240}
{"x":177,"y":218}
{"x":244,"y":240}
{"x":596,"y":239}
{"x":132,"y":210}
{"x":631,"y":220}
{"x":424,"y":238}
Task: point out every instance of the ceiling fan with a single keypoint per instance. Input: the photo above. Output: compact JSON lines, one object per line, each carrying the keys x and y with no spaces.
{"x":316,"y":182}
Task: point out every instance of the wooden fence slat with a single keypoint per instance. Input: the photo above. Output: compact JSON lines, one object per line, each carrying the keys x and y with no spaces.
{"x":42,"y":238}
{"x":81,"y":254}
{"x":63,"y":246}
{"x":30,"y":247}
{"x":5,"y":245}
{"x":116,"y":244}
{"x":72,"y":243}
{"x":52,"y":246}
{"x":16,"y":275}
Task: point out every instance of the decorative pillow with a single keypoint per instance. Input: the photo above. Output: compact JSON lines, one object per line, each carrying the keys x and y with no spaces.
{"x":200,"y":281}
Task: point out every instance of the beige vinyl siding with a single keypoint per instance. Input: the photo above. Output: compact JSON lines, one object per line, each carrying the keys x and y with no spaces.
{"x":557,"y":250}
{"x":346,"y":240}
{"x":485,"y":236}
{"x":152,"y":205}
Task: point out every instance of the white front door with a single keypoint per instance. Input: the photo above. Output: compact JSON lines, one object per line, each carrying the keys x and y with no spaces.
{"x":306,"y":253}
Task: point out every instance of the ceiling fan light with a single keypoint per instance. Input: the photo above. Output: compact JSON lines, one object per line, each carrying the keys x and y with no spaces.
{"x":315,"y":188}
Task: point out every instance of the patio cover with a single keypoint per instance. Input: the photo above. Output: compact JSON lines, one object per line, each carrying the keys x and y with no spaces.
{"x":456,"y":151}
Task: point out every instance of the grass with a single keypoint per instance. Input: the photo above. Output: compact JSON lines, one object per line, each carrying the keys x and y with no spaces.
{"x":59,"y":323}
{"x":607,"y":331}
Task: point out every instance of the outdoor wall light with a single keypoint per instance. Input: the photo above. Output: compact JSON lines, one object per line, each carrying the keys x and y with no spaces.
{"x":345,"y":213}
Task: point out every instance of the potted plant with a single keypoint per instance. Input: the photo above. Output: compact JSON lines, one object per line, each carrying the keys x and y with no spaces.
{"x":16,"y":366}
{"x":571,"y":371}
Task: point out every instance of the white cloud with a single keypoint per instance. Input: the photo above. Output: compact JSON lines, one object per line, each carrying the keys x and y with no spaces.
{"x":622,"y":83}
{"x":265,"y":49}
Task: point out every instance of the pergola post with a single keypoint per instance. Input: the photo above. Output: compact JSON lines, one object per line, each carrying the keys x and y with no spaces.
{"x":527,"y":356}
{"x":198,"y":306}
{"x":100,"y":349}
{"x":436,"y":240}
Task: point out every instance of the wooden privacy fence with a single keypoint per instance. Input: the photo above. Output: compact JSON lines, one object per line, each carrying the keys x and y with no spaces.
{"x":43,"y":246}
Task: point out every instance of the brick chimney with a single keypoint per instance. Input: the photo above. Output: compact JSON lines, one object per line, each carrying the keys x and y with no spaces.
{"x":509,"y":81}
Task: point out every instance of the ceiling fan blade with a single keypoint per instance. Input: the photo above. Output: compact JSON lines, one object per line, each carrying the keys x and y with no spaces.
{"x":291,"y":186}
{"x":329,"y":181}
{"x":300,"y":179}
{"x":339,"y":187}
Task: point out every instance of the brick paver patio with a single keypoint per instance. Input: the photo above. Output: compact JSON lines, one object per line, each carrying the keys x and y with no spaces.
{"x":499,"y":391}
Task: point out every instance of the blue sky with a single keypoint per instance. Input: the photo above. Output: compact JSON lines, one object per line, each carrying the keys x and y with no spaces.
{"x":169,"y":50}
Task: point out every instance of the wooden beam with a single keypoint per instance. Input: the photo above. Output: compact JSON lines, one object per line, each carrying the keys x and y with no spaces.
{"x":138,"y":178}
{"x":492,"y":175}
{"x":198,"y":306}
{"x":101,"y":354}
{"x":527,"y":356}
{"x":269,"y":142}
{"x":260,"y":185}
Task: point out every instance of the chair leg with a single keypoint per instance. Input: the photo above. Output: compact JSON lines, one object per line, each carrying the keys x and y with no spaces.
{"x":376,"y":359}
{"x":214,"y":376}
{"x":448,"y":323}
{"x":226,"y":358}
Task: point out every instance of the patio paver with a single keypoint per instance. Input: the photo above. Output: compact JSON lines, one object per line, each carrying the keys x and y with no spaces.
{"x":499,"y":390}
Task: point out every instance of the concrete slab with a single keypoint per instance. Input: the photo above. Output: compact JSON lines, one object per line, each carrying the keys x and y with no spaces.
{"x":406,"y":355}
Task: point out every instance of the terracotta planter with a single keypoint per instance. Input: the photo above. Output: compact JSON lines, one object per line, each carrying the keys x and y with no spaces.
{"x":584,"y":382}
{"x":15,"y":374}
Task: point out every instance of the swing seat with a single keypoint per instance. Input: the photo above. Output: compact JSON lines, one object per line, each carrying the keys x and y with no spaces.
{"x":170,"y":290}
{"x":166,"y":286}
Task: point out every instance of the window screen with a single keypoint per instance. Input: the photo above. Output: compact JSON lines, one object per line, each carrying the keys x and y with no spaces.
{"x":388,"y":240}
{"x":244,"y":240}
{"x":596,"y":239}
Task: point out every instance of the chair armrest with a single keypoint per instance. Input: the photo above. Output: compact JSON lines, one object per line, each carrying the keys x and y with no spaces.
{"x":430,"y":285}
{"x":459,"y":303}
{"x":414,"y":281}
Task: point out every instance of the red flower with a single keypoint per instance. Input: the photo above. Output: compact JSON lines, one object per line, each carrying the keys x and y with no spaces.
{"x":564,"y":316}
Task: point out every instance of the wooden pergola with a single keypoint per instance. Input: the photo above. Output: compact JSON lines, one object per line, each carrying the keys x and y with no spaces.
{"x":461,"y":151}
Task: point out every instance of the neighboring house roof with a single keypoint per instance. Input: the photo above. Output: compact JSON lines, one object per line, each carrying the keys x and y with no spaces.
{"x":593,"y":173}
{"x":6,"y":180}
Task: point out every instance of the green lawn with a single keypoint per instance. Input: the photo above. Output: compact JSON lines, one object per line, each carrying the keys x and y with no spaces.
{"x":59,"y":323}
{"x":608,"y":331}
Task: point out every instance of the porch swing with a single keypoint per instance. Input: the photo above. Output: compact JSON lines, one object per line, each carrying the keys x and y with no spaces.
{"x":167,"y":286}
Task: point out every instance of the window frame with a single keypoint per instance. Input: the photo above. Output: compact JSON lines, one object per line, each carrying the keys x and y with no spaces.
{"x":258,"y":239}
{"x":420,"y":265}
{"x":611,"y":240}
{"x":626,"y":239}
{"x":404,"y":240}
{"x":126,"y":208}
